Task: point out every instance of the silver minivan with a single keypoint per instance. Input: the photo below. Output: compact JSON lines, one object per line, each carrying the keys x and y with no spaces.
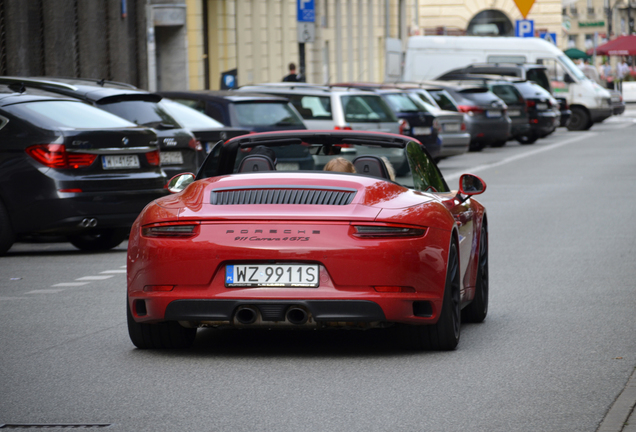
{"x":340,"y":108}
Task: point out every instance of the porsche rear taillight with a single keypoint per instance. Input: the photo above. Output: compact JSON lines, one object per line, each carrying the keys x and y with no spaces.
{"x":386,"y":231}
{"x":171,"y":230}
{"x":56,"y":156}
{"x":153,"y":158}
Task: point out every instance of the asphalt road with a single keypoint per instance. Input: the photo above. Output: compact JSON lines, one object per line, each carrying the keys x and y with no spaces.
{"x":555,"y":351}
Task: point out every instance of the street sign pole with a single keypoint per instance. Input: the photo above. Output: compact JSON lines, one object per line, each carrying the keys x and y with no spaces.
{"x":306,"y":16}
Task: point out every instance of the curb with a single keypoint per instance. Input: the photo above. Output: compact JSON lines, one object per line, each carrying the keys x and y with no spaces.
{"x":621,"y":410}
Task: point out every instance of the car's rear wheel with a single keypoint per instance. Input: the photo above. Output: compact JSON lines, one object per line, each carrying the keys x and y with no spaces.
{"x":528,"y":138}
{"x":165,"y":335}
{"x":444,"y":335}
{"x":7,"y":236}
{"x":477,"y":310}
{"x":476,"y":146}
{"x":579,"y":120}
{"x":99,"y":240}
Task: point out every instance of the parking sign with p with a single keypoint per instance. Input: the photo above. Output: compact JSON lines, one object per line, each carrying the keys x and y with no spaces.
{"x":524,"y":28}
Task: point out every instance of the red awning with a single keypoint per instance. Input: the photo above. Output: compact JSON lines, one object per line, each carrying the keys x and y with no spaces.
{"x":621,"y":46}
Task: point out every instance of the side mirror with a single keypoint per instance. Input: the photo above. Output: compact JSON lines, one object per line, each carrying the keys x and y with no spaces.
{"x":180,"y":182}
{"x":471,"y":185}
{"x":567,"y":78}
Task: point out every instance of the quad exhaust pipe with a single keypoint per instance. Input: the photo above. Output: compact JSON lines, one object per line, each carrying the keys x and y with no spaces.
{"x":296,"y":315}
{"x":88,"y":223}
{"x":246,"y":315}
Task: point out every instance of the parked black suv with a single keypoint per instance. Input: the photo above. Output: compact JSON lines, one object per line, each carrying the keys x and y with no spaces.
{"x":180,"y":150}
{"x":67,"y":168}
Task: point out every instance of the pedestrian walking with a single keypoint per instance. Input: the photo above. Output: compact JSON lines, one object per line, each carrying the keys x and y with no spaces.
{"x":622,"y":70}
{"x":607,"y":75}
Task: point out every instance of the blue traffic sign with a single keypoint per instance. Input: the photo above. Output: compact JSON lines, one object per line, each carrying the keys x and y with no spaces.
{"x":550,"y":37}
{"x":524,"y":28}
{"x":306,"y":11}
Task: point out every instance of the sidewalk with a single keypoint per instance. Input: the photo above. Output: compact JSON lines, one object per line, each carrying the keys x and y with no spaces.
{"x":622,"y":417}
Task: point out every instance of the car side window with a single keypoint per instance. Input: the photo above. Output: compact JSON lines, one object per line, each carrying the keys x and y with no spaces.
{"x":426,"y":175}
{"x":215,"y":111}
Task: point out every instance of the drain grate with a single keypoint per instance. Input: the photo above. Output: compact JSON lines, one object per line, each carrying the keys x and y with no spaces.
{"x":54,"y":425}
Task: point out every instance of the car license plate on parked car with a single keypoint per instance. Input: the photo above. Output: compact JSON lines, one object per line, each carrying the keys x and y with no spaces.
{"x":421,"y":131}
{"x":450,"y":127}
{"x":542,"y":106}
{"x":272,"y":275}
{"x":171,"y":158}
{"x":287,"y":166}
{"x":514,"y":113}
{"x":493,"y":113}
{"x":120,"y":162}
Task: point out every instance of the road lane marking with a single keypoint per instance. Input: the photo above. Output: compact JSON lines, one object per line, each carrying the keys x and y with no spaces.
{"x":94,"y":278}
{"x":45,"y":291}
{"x":549,"y":147}
{"x":113,"y":271}
{"x":70,"y":284}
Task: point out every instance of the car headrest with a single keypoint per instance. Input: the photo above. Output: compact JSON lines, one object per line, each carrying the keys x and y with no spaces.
{"x":371,"y":165}
{"x":257,"y":162}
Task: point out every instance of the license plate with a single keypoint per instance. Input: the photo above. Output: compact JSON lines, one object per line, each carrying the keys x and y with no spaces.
{"x":542,"y":106}
{"x":287,"y":166}
{"x":450,"y":127}
{"x":421,"y":131}
{"x":120,"y":162}
{"x":171,"y":158}
{"x":514,"y":113}
{"x":493,"y":113}
{"x":272,"y":275}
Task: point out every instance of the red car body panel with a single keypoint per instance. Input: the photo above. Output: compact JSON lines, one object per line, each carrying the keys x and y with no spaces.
{"x":350,"y":267}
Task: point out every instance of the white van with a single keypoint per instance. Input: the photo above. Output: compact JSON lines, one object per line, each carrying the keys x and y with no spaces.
{"x":428,"y":57}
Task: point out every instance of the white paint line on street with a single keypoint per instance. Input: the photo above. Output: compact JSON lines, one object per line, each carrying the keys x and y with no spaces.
{"x":123,"y":267}
{"x":70,"y":284}
{"x":556,"y":145}
{"x":45,"y":291}
{"x":93,"y":278}
{"x":113,"y":271}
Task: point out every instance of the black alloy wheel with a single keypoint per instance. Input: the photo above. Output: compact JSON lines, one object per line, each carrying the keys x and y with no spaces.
{"x":444,"y":335}
{"x":7,"y":236}
{"x":477,"y":310}
{"x":165,"y":335}
{"x":528,"y":138}
{"x":99,"y":240}
{"x":579,"y":120}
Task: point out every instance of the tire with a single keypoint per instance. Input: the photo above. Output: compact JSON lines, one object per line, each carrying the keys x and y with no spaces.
{"x":579,"y":120}
{"x":529,"y":138}
{"x":165,"y":335}
{"x":7,"y":235}
{"x":498,"y":143}
{"x":476,"y":146}
{"x":99,"y":240}
{"x":477,"y":310}
{"x":444,"y":335}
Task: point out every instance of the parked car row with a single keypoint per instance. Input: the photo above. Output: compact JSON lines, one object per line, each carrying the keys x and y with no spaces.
{"x":85,"y":156}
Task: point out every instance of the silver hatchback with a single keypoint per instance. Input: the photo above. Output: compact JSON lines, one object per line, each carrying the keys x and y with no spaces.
{"x":340,"y":108}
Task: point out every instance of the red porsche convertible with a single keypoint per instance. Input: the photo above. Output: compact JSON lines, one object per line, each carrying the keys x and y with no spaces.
{"x":246,"y":244}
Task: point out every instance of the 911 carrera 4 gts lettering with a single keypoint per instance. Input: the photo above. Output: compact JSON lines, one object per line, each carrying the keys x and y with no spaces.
{"x":255,"y":238}
{"x":272,"y":231}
